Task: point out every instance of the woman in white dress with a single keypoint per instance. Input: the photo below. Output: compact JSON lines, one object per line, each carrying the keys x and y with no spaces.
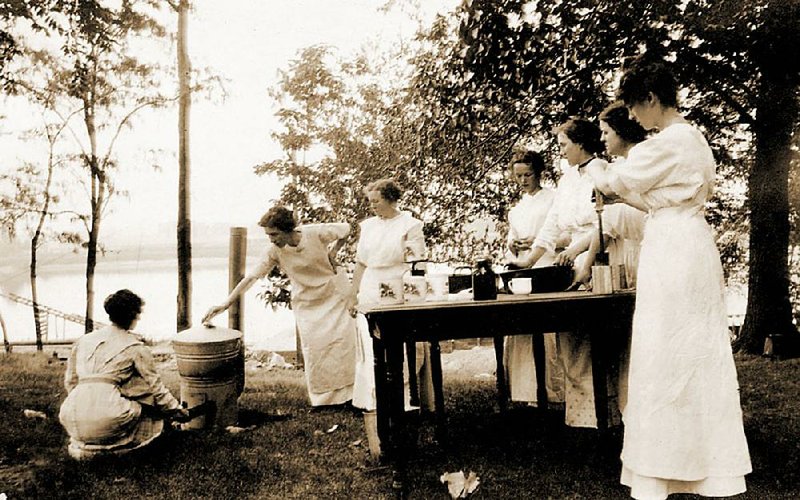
{"x":306,"y":253}
{"x":524,"y":221}
{"x":683,"y":420}
{"x":387,"y":242}
{"x":571,"y":218}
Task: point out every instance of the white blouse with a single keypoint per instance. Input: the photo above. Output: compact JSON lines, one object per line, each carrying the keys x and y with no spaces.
{"x":572,"y":211}
{"x":664,"y":176}
{"x":526,"y":218}
{"x":387,"y":242}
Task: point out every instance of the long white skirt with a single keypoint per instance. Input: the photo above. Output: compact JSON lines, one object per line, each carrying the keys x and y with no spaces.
{"x":683,"y":420}
{"x":328,"y":338}
{"x":521,"y":369}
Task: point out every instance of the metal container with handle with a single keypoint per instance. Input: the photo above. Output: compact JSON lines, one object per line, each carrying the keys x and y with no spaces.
{"x":211,"y":365}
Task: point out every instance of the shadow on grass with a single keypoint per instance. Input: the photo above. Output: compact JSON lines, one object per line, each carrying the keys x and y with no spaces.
{"x":250,"y":418}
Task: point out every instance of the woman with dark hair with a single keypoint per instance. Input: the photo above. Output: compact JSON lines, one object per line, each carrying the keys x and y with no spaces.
{"x":116,"y":401}
{"x":525,"y":219}
{"x":623,"y":224}
{"x":683,"y":420}
{"x":387,"y":243}
{"x":571,"y":218}
{"x":306,"y":253}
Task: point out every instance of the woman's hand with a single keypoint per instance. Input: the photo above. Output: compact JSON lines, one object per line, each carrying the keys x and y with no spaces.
{"x":213,"y":312}
{"x":352,"y":302}
{"x":520,"y":245}
{"x":582,"y":275}
{"x":566,"y":258}
{"x":180,"y":415}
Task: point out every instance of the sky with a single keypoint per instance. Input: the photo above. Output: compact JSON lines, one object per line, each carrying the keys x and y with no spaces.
{"x":246,"y":42}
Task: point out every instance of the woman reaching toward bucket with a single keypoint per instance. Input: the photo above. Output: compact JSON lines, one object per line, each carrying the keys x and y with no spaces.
{"x":306,"y":253}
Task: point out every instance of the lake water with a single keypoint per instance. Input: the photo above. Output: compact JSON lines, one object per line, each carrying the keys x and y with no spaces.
{"x":61,"y":285}
{"x":152,"y":274}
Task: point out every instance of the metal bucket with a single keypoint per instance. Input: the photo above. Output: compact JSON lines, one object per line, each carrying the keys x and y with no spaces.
{"x":211,"y":365}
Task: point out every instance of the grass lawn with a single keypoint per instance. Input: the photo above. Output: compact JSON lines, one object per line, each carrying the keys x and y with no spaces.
{"x":520,"y":454}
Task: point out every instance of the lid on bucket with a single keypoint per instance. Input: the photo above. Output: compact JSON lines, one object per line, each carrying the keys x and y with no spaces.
{"x":203,"y":334}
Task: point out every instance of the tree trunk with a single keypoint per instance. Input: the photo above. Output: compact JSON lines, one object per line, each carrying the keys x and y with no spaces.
{"x":184,"y":317}
{"x":769,"y":310}
{"x":37,"y":324}
{"x":37,"y":234}
{"x":91,"y":263}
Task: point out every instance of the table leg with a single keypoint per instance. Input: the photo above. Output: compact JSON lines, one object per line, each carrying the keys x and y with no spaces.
{"x":502,"y":387}
{"x":399,"y":441}
{"x":540,"y":362}
{"x":413,"y":385}
{"x":438,"y":392}
{"x":382,"y":389}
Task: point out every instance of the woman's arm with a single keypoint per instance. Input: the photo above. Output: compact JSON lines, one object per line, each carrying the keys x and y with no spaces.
{"x":71,"y":375}
{"x":333,"y":251}
{"x":583,"y":272}
{"x":240,"y":288}
{"x":352,"y":301}
{"x":532,"y":258}
{"x":577,"y":247}
{"x":600,"y":178}
{"x":143,"y":361}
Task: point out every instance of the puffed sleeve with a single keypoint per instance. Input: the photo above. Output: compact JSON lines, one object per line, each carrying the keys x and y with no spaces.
{"x":267,"y":264}
{"x":145,"y":366}
{"x":361,"y":246}
{"x":548,"y":235}
{"x":648,"y":163}
{"x":415,"y":240}
{"x":330,"y":232}
{"x":677,"y":157}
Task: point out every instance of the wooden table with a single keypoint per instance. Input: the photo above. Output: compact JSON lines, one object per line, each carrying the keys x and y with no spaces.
{"x":605,"y":318}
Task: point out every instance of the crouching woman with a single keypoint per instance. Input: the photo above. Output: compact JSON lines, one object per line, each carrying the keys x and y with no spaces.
{"x":116,"y":401}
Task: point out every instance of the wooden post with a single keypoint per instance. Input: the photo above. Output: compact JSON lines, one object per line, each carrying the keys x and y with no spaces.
{"x":6,"y":343}
{"x":236,"y":268}
{"x":298,"y":348}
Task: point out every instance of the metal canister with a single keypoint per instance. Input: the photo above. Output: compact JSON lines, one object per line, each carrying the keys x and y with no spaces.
{"x":211,"y":365}
{"x":484,"y":280}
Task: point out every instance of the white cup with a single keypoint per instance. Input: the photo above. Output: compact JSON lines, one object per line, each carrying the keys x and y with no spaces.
{"x":520,"y":286}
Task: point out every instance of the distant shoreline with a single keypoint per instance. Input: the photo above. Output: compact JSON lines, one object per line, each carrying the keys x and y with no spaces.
{"x":60,"y":259}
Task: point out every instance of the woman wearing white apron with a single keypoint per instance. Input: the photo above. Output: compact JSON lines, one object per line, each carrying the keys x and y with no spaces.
{"x":571,"y":218}
{"x":524,"y":221}
{"x":319,"y":300}
{"x":683,"y":420}
{"x":386,"y":243}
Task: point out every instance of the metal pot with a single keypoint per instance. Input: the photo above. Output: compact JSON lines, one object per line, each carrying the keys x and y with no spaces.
{"x":543,"y":279}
